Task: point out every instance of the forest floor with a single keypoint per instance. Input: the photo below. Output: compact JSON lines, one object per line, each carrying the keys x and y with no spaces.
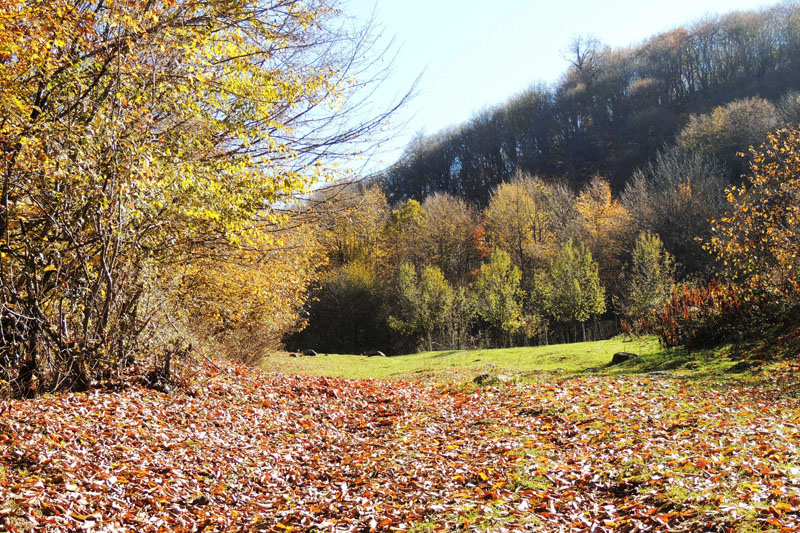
{"x":709,"y":446}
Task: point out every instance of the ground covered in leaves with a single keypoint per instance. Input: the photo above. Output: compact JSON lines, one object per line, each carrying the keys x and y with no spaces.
{"x":245,"y":450}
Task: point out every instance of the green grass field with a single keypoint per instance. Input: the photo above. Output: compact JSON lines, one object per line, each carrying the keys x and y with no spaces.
{"x":527,"y":363}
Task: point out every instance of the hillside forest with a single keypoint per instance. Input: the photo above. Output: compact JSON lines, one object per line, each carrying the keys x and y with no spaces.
{"x":652,"y":189}
{"x":184,"y":209}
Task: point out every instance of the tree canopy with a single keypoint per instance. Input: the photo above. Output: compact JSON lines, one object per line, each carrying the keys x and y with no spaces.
{"x":139,"y":134}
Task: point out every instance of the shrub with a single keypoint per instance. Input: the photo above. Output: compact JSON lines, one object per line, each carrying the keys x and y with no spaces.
{"x":707,"y":315}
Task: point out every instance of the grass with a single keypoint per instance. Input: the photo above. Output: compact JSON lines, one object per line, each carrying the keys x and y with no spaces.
{"x":525,"y":363}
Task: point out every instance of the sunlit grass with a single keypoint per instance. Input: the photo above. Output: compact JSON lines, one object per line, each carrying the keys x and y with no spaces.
{"x":524,"y":363}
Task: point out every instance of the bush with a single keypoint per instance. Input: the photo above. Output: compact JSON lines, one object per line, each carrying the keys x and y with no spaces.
{"x":704,"y":316}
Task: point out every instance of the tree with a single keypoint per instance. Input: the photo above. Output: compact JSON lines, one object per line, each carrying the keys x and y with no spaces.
{"x":606,"y":229}
{"x":675,"y":197}
{"x":519,"y":225}
{"x":462,"y":315}
{"x":135,"y":131}
{"x":758,"y":237}
{"x":650,"y":277}
{"x":243,"y":301}
{"x":346,"y":313}
{"x":446,"y":236}
{"x":403,"y":230}
{"x":425,"y":304}
{"x":351,"y":224}
{"x":500,"y":297}
{"x":729,"y":130}
{"x":571,"y":291}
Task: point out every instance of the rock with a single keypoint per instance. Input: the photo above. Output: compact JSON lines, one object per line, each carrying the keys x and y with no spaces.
{"x":491,"y":379}
{"x":483,"y":379}
{"x":375,"y":353}
{"x":741,"y":366}
{"x":621,"y":357}
{"x":310,"y":353}
{"x":293,"y":355}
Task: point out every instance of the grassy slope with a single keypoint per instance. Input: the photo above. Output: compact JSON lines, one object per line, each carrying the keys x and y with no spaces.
{"x":527,"y":362}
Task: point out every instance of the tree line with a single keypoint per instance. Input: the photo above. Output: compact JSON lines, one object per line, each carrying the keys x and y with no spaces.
{"x":678,"y":253}
{"x":612,"y":195}
{"x":539,"y":264}
{"x":615,"y":109}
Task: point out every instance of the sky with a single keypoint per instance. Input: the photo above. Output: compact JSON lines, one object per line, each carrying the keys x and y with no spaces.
{"x":477,"y":54}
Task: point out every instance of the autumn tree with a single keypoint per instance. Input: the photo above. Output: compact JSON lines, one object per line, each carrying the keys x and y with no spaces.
{"x":571,"y":291}
{"x":425,"y":304}
{"x":649,"y":278}
{"x":403,"y":234}
{"x":729,"y":130}
{"x":346,"y":313}
{"x":758,"y":237}
{"x":446,"y":237}
{"x":352,"y":224}
{"x":606,"y":228}
{"x":675,"y":197}
{"x":518,"y":224}
{"x":500,"y":296}
{"x":134,"y":131}
{"x":243,"y":301}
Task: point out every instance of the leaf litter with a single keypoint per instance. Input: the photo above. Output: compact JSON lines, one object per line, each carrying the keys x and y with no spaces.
{"x":246,"y":450}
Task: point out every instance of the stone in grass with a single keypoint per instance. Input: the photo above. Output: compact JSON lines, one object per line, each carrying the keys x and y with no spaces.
{"x":491,"y":379}
{"x":375,"y":353}
{"x":621,"y":357}
{"x":309,"y":353}
{"x":742,"y":366}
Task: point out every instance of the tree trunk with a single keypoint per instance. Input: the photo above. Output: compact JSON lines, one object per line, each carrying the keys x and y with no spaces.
{"x":583,"y":327}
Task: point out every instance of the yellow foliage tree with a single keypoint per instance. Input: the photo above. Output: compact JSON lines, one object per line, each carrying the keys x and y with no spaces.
{"x":519,"y":225}
{"x":134,"y":131}
{"x":606,"y":228}
{"x":759,"y":236}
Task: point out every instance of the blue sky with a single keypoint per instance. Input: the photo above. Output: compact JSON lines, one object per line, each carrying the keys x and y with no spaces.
{"x":475,"y":54}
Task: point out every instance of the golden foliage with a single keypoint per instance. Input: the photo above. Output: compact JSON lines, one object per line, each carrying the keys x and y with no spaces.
{"x":759,"y":237}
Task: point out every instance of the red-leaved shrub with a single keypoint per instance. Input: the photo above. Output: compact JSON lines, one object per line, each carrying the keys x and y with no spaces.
{"x":703,"y":316}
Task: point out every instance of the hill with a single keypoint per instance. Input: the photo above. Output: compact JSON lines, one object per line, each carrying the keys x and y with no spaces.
{"x":615,"y":108}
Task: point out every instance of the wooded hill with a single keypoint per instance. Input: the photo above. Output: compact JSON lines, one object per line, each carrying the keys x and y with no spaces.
{"x":656,"y":184}
{"x":614,"y":109}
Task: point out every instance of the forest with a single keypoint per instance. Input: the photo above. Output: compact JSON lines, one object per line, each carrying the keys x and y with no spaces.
{"x":613,"y":110}
{"x":646,"y":179}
